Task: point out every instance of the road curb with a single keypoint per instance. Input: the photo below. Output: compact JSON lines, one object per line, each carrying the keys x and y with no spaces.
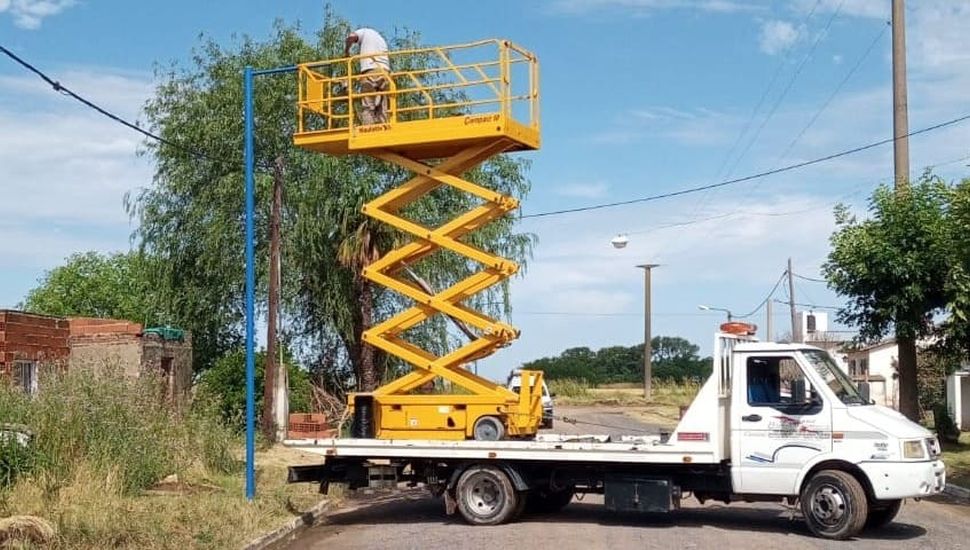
{"x":303,"y":521}
{"x":957,"y":491}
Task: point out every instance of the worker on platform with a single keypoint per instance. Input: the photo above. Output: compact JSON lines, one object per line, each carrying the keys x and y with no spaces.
{"x":374,"y":66}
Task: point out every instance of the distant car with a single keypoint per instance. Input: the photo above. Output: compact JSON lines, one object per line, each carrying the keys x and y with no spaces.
{"x":515,"y":382}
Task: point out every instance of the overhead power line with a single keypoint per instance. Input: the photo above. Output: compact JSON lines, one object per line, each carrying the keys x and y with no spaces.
{"x":764,"y":174}
{"x":812,"y":279}
{"x":791,"y":82}
{"x":768,"y":297}
{"x":816,"y":306}
{"x":848,"y":76}
{"x":64,"y":90}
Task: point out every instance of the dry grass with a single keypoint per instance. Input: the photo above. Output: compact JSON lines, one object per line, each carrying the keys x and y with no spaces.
{"x":111,"y":466}
{"x":26,"y":529}
{"x":92,"y":510}
{"x":662,"y":410}
{"x":664,"y":393}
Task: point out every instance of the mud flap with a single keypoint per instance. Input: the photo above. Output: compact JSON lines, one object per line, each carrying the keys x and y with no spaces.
{"x":450,"y":503}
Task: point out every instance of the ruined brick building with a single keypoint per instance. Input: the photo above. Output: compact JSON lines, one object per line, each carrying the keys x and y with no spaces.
{"x":31,"y":344}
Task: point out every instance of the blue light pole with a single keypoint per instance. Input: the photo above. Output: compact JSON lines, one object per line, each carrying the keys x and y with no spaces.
{"x":250,"y":286}
{"x":249,"y":160}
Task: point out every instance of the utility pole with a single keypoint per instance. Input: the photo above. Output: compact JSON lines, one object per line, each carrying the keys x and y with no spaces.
{"x":647,"y":344}
{"x":908,"y":398}
{"x":795,"y":337}
{"x":768,"y":327}
{"x":900,"y":102}
{"x":270,"y":378}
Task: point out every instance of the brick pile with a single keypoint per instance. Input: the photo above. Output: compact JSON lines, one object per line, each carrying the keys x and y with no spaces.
{"x":309,"y":426}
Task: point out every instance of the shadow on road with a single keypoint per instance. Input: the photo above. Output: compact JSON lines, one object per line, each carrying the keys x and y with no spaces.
{"x":413,"y":508}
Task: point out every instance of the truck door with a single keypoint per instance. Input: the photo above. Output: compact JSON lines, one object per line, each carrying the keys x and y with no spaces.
{"x":779,"y":421}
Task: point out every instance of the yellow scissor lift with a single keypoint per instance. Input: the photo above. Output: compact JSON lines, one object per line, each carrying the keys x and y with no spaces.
{"x":449,"y":110}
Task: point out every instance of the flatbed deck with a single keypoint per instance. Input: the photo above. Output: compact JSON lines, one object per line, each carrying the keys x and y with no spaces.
{"x":554,"y":448}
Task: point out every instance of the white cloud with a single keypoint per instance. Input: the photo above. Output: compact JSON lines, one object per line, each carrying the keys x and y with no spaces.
{"x":837,"y":59}
{"x":646,"y":6}
{"x":66,"y":168}
{"x":777,"y":36}
{"x":29,"y":14}
{"x":583,"y":190}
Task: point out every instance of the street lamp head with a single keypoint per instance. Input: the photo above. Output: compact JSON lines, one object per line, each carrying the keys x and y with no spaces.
{"x":620,"y":241}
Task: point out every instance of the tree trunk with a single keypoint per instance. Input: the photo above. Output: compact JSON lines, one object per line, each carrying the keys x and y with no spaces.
{"x":368,"y":360}
{"x":270,"y":376}
{"x":907,"y":383}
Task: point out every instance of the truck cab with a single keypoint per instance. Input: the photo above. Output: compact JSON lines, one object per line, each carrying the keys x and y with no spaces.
{"x":787,"y":412}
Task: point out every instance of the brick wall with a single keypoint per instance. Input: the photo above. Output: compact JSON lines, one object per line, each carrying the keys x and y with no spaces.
{"x":29,"y":337}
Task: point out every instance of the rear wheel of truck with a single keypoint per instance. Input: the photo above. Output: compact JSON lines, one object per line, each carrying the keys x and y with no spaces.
{"x":486,"y":496}
{"x":882,"y":513}
{"x":834,"y":505}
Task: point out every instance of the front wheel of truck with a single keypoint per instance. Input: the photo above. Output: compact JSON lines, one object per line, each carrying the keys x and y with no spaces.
{"x":834,"y":505}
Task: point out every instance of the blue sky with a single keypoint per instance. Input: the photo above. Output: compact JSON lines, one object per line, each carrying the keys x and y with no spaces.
{"x":638,"y":97}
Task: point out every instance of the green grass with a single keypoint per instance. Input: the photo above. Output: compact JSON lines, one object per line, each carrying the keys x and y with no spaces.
{"x":102,"y":444}
{"x":957,"y":459}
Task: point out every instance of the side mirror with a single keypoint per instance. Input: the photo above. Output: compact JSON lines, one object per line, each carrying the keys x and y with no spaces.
{"x":864,"y":391}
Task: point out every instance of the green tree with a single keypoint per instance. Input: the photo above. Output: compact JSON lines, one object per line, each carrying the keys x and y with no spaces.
{"x":894,"y":268}
{"x":225,"y":383}
{"x":674,"y":358}
{"x":91,"y":284}
{"x":191,"y":217}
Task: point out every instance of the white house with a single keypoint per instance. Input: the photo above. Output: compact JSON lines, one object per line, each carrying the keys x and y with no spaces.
{"x":877,"y":365}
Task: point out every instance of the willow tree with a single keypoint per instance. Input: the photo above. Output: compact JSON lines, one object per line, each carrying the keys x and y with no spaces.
{"x":191,"y":218}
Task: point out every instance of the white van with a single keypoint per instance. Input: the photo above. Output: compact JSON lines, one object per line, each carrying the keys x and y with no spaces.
{"x":513,"y":384}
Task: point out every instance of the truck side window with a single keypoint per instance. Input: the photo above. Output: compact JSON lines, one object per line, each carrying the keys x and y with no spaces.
{"x":779,"y":382}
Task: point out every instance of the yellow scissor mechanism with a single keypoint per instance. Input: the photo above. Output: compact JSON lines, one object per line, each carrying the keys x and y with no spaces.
{"x":461,"y":106}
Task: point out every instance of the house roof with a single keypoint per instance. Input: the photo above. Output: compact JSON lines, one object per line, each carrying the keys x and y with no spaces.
{"x":877,"y":345}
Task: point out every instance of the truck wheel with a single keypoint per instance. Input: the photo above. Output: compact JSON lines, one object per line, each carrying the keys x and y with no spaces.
{"x":834,"y":505}
{"x":486,"y":496}
{"x":882,"y":513}
{"x":488,"y":428}
{"x":545,"y":501}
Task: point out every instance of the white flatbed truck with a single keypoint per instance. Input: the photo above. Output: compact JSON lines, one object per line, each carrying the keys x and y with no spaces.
{"x":774,"y":422}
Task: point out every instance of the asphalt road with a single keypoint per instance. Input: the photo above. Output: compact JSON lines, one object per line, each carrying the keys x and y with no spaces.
{"x":414,"y":520}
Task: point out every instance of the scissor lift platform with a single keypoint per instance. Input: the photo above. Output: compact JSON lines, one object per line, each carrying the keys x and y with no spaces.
{"x":460,"y":106}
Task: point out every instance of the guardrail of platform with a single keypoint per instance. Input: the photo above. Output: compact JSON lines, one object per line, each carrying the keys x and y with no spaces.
{"x":484,"y":77}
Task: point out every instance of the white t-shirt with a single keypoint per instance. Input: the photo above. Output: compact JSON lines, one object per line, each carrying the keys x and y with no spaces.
{"x":371,"y":42}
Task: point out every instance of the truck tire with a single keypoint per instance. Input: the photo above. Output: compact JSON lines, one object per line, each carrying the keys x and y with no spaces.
{"x":486,"y":496}
{"x":882,"y":513}
{"x":834,"y":505}
{"x":488,"y":428}
{"x":547,"y":501}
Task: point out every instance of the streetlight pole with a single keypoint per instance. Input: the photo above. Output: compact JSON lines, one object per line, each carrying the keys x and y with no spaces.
{"x":647,"y":344}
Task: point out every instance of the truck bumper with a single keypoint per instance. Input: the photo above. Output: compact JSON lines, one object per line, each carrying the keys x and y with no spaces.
{"x":895,"y":480}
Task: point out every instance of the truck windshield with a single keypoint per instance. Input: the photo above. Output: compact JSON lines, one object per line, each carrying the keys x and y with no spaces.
{"x":840,"y":384}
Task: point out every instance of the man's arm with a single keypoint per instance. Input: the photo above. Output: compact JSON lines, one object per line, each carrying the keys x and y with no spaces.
{"x":348,"y":42}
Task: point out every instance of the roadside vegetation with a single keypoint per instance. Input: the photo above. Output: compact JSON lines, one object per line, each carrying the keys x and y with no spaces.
{"x":110,"y":464}
{"x":956,"y":456}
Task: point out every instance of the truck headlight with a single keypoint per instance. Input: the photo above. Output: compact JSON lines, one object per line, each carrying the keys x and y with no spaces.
{"x":914,"y":449}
